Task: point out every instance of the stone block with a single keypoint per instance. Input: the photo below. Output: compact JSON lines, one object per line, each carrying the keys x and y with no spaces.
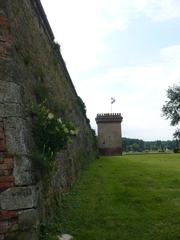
{"x":11,"y":110}
{"x":28,"y":219}
{"x":22,"y":173}
{"x":17,"y":135}
{"x":18,"y":198}
{"x":10,"y":92}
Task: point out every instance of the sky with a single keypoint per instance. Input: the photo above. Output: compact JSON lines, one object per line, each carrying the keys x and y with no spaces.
{"x":126,"y":49}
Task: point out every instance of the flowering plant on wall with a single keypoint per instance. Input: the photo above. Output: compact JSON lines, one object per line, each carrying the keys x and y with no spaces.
{"x":51,"y":134}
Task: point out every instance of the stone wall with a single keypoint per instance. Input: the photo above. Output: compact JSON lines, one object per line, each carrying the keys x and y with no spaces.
{"x":29,"y":63}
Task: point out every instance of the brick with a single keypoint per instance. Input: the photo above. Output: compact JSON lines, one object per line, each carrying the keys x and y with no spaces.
{"x":1,"y":133}
{"x":7,"y":226}
{"x":9,"y":161}
{"x":5,"y":45}
{"x":4,"y":226}
{"x":8,"y":221}
{"x":8,"y":155}
{"x":6,"y":185}
{"x":3,"y":39}
{"x":2,"y":237}
{"x":1,"y":160}
{"x":7,"y":179}
{"x":6,"y":166}
{"x":3,"y":53}
{"x":2,"y":156}
{"x":4,"y":215}
{"x":4,"y":22}
{"x":3,"y":49}
{"x":7,"y":172}
{"x":6,"y":182}
{"x":1,"y":172}
{"x":2,"y":145}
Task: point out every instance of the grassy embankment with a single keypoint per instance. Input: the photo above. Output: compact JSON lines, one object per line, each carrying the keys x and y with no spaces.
{"x":126,"y":198}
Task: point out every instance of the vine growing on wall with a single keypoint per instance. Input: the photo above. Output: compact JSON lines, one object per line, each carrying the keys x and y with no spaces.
{"x":51,"y":135}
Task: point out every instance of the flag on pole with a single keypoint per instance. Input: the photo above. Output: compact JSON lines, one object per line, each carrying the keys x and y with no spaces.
{"x":112,"y":100}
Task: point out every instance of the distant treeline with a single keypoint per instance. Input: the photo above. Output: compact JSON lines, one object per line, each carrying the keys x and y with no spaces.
{"x":137,"y":145}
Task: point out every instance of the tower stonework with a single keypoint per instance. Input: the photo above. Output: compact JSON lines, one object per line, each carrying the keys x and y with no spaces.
{"x":109,"y":133}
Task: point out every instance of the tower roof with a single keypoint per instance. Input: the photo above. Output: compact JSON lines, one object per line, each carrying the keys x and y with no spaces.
{"x":108,"y":117}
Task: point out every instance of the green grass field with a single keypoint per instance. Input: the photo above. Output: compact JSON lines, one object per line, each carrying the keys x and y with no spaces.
{"x":135,"y":197}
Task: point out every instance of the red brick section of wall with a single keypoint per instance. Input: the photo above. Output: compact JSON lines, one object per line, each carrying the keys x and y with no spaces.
{"x":110,"y":151}
{"x":4,"y":24}
{"x":8,"y":219}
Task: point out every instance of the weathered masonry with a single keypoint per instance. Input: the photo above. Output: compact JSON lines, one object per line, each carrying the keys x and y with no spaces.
{"x":109,"y":133}
{"x":30,"y":66}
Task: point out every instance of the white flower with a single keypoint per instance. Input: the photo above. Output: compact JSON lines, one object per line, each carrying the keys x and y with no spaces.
{"x":59,"y":120}
{"x":74,"y":132}
{"x":50,"y":116}
{"x":65,"y":130}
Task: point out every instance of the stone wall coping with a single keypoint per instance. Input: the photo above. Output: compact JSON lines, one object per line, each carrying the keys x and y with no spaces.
{"x":108,"y":114}
{"x":40,"y":11}
{"x":108,"y":117}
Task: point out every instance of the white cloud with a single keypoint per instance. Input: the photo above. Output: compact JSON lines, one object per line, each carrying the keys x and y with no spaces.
{"x":140,"y":92}
{"x":81,"y":26}
{"x":171,"y":53}
{"x":161,"y":10}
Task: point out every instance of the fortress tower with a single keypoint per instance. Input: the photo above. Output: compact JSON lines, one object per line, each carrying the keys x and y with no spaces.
{"x":109,"y":133}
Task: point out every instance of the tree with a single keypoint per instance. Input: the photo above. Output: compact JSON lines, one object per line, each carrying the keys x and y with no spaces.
{"x":171,"y":109}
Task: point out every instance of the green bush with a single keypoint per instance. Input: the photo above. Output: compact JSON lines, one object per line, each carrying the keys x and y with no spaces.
{"x":81,"y":105}
{"x":49,"y":231}
{"x":177,"y":150}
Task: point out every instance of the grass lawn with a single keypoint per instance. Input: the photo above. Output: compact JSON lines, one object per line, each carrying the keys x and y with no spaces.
{"x":135,"y":197}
